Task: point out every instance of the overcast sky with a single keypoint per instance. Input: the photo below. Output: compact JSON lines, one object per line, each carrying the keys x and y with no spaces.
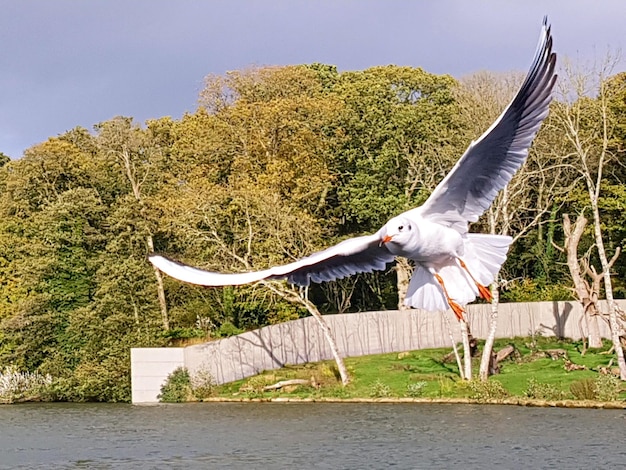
{"x":67,"y":63}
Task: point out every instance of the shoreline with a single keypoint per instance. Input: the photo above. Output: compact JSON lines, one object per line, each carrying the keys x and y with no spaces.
{"x":590,"y":404}
{"x":511,"y":401}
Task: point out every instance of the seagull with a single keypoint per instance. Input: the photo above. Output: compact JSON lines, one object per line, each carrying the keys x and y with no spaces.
{"x":452,"y":266}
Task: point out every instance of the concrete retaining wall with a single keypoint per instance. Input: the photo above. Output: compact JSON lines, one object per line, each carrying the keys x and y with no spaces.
{"x":357,"y":334}
{"x":149,"y":368}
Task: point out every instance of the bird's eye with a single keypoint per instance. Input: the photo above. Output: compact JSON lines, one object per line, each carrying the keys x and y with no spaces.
{"x":401,"y":227}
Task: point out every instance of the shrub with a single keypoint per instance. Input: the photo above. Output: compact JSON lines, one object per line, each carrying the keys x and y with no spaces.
{"x":488,"y":390}
{"x":415,"y":389}
{"x":543,"y":391}
{"x":446,"y":385}
{"x":283,"y":312}
{"x":227,"y":329}
{"x":584,"y":389}
{"x":177,"y":387}
{"x":202,"y":384}
{"x":107,"y":380}
{"x":603,"y":388}
{"x":253,"y":387}
{"x":22,"y":386}
{"x":608,"y":387}
{"x":183,"y":333}
{"x":380,"y":390}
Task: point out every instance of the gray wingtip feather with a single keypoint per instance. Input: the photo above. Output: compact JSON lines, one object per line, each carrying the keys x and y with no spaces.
{"x":502,"y":149}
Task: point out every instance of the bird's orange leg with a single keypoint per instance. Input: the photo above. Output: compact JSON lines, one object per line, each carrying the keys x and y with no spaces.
{"x":484,"y":292}
{"x":456,"y":308}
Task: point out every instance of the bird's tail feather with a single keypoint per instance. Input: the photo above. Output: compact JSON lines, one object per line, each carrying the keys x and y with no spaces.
{"x":424,"y":292}
{"x":483,"y":255}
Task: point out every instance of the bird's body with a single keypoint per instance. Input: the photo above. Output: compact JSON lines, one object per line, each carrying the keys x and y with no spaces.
{"x":427,"y":243}
{"x":452,"y":266}
{"x":447,"y":261}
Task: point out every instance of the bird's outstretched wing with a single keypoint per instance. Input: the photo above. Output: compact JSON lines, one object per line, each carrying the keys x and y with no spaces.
{"x":355,"y":255}
{"x":489,"y":163}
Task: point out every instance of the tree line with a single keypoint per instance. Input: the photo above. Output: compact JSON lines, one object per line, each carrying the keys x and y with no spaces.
{"x":275,"y":163}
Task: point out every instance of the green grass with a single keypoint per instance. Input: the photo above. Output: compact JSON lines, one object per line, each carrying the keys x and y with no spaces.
{"x":425,"y":374}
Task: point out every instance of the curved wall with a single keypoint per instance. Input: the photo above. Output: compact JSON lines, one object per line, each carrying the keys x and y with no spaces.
{"x":357,"y":334}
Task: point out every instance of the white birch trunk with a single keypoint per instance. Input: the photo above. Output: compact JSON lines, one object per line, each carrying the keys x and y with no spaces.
{"x":292,"y":295}
{"x":403,"y":274}
{"x":467,"y":355}
{"x":608,"y":291}
{"x":332,"y":344}
{"x":454,"y":348}
{"x":485,"y":359}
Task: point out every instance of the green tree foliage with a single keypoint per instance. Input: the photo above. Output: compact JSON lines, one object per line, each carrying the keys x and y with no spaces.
{"x":394,"y":118}
{"x":75,"y":281}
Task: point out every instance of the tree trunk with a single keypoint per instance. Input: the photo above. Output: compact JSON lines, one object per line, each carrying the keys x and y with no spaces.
{"x":467,"y":355}
{"x":403,"y":273}
{"x":593,"y":330}
{"x":454,"y":349}
{"x":587,"y":294}
{"x":608,"y":290}
{"x":136,"y":187}
{"x":161,"y":296}
{"x":486,"y":358}
{"x":292,"y":295}
{"x":330,"y":338}
{"x":160,"y":288}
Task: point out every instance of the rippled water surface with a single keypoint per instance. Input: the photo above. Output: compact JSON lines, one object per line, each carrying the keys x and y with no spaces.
{"x":302,"y":436}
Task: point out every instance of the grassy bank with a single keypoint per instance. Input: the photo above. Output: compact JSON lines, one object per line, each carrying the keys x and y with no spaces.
{"x":536,"y":372}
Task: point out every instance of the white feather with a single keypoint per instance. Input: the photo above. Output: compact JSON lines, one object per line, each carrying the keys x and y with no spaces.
{"x":424,"y":292}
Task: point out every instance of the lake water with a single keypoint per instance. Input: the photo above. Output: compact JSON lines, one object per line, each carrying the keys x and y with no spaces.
{"x":309,"y":436}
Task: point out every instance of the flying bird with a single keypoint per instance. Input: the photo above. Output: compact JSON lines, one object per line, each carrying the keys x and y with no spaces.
{"x":452,"y":266}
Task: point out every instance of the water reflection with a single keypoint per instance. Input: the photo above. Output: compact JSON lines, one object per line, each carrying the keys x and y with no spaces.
{"x":321,"y":436}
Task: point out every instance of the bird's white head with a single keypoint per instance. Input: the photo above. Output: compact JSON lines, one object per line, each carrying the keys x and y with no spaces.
{"x":397,"y":234}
